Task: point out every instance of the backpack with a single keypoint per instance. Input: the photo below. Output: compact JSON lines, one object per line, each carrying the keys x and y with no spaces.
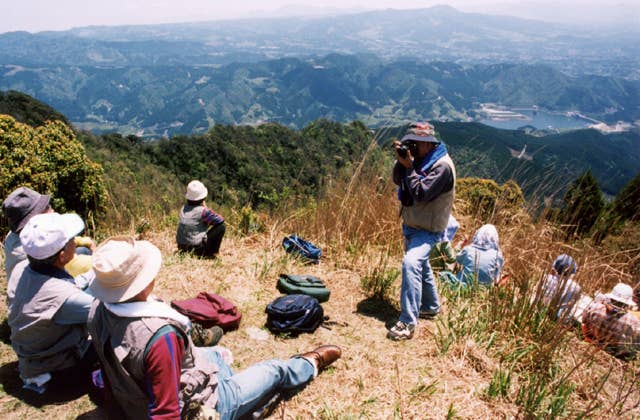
{"x":303,"y":284}
{"x":209,"y":309}
{"x":294,"y":314}
{"x":293,"y":244}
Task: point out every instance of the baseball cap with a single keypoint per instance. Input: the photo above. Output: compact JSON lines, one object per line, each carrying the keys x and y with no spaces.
{"x":46,"y":234}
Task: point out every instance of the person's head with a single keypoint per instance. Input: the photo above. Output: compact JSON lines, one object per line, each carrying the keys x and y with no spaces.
{"x":196,"y":192}
{"x":21,"y":205}
{"x":420,"y":138}
{"x":48,"y":238}
{"x":564,"y":265}
{"x":125,"y":269}
{"x":486,"y":237}
{"x":621,"y":297}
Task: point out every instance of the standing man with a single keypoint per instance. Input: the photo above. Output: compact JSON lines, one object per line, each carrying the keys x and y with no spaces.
{"x":426,"y":178}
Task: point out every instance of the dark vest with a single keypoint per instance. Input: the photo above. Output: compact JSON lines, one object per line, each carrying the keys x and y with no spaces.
{"x":120,"y":344}
{"x":192,"y":231}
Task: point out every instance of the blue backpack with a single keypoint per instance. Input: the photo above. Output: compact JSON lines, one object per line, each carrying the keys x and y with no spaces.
{"x":293,"y":244}
{"x":294,"y":314}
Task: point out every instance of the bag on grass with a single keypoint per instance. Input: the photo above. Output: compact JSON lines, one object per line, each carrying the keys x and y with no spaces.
{"x":293,"y":244}
{"x":294,"y":314}
{"x":209,"y":309}
{"x":303,"y":284}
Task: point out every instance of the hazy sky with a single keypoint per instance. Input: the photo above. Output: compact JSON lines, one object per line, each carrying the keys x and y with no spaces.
{"x":39,"y":15}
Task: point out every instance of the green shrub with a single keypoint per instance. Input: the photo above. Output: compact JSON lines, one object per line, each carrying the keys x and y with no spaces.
{"x":52,"y":161}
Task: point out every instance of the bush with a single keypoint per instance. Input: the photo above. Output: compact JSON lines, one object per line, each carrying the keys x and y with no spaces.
{"x":484,"y":198}
{"x":50,"y":160}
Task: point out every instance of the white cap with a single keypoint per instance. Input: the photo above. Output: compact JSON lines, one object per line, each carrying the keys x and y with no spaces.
{"x":46,"y":234}
{"x":196,"y":191}
{"x":622,"y":293}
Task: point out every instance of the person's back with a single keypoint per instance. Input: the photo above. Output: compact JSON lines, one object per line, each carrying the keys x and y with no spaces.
{"x":482,"y":259}
{"x":483,"y":264}
{"x":42,"y":344}
{"x":559,"y":288}
{"x":192,"y":231}
{"x":200,"y":229}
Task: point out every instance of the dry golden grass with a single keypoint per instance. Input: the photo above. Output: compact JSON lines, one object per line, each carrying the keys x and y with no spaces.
{"x":357,"y":226}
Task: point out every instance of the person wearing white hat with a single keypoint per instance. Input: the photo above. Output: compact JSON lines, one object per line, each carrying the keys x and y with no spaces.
{"x":200,"y":229}
{"x":48,"y":313}
{"x":609,"y":323}
{"x":150,"y":363}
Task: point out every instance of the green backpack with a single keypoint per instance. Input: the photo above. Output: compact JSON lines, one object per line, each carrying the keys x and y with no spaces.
{"x":303,"y":284}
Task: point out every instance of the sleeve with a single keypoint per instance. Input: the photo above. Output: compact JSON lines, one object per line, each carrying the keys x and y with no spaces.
{"x":210,"y":217}
{"x":398,"y":173}
{"x":163,"y":364}
{"x":425,"y":188}
{"x":74,"y":310}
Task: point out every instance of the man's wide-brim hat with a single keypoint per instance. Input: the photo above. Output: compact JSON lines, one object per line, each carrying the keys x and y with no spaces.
{"x":21,"y":205}
{"x":123,"y":267}
{"x":422,"y":132}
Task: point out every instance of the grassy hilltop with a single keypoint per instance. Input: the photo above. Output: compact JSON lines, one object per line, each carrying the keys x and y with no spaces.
{"x":491,"y":354}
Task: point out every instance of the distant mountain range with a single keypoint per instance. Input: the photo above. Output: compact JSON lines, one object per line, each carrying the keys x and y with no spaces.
{"x":439,"y":33}
{"x":164,"y":100}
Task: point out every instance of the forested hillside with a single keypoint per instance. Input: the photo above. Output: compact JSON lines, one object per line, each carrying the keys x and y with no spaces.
{"x":153,"y":101}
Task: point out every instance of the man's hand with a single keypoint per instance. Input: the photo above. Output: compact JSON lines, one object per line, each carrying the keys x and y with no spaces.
{"x":406,"y":161}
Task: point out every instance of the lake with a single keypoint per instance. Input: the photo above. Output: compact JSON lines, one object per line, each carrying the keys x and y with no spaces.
{"x":541,"y":120}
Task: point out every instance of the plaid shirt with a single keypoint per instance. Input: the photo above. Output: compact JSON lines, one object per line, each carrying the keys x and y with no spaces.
{"x":618,"y":331}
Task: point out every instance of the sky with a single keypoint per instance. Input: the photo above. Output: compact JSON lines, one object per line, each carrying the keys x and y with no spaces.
{"x":41,"y":15}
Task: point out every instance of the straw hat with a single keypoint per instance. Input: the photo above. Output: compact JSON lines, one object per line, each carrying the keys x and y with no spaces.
{"x":622,"y":293}
{"x":196,"y":191}
{"x":123,"y":268}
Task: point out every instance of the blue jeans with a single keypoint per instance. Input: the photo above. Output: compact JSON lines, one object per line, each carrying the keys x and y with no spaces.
{"x":240,"y":393}
{"x":419,"y":291}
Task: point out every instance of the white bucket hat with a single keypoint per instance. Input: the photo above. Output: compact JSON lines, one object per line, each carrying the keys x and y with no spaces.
{"x":196,"y":191}
{"x":622,"y":293}
{"x":46,"y":234}
{"x":123,"y":268}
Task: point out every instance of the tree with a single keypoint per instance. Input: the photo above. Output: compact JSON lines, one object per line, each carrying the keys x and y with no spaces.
{"x":625,"y":207}
{"x":52,"y":161}
{"x":583,"y":204}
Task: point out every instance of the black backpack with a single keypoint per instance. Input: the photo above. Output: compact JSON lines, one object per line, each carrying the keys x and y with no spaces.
{"x":294,"y":314}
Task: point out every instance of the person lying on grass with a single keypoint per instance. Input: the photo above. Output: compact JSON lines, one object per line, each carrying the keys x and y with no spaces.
{"x":151,"y":367}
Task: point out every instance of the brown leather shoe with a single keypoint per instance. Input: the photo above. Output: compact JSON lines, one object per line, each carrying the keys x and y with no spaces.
{"x":323,"y":356}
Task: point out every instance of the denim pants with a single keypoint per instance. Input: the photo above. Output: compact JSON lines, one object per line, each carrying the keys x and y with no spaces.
{"x":241,"y":393}
{"x":419,"y":291}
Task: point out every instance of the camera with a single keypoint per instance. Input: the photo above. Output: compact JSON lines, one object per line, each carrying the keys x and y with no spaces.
{"x":407,"y":146}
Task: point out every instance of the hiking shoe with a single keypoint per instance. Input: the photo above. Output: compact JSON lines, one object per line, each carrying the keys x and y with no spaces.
{"x":206,"y":337}
{"x":401,"y":331}
{"x":427,"y":315}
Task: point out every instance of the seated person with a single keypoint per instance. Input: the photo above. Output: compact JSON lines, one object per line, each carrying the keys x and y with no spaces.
{"x":200,"y":229}
{"x":19,"y":207}
{"x":150,"y":365}
{"x":559,"y":288}
{"x":481,"y":260}
{"x":443,"y":254}
{"x":48,"y":313}
{"x":608,"y":322}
